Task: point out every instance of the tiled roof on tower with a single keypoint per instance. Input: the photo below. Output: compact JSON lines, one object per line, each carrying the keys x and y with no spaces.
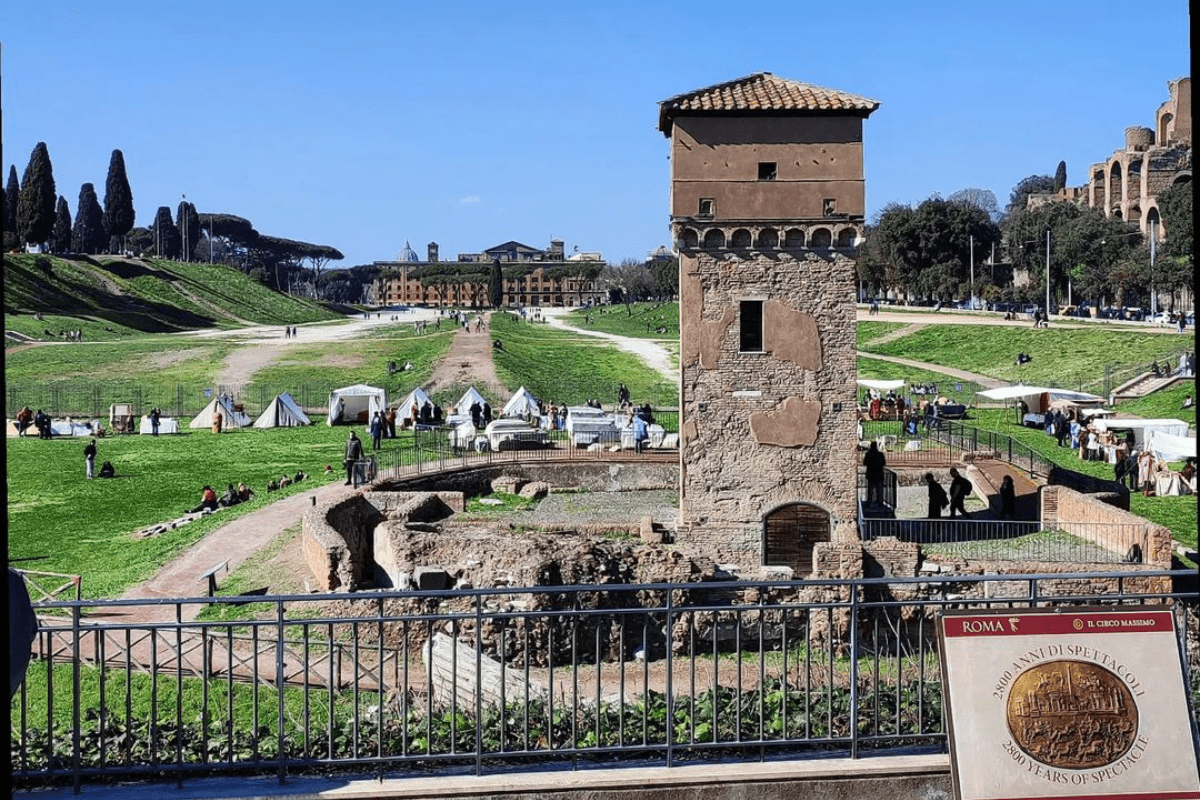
{"x":765,"y":92}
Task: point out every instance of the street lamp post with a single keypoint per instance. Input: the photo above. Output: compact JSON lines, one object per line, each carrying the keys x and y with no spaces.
{"x":1047,"y":275}
{"x":971,"y":304}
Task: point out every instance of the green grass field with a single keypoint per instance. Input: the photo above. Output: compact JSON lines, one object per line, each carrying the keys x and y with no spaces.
{"x":1066,"y":357}
{"x":565,"y":367}
{"x":85,"y":527}
{"x":639,"y":320}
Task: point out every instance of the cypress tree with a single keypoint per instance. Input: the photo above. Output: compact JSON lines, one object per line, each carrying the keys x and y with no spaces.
{"x":1060,"y":177}
{"x":35,"y":207}
{"x":166,"y":235}
{"x":118,"y":200}
{"x":60,"y":237}
{"x":88,"y":236}
{"x":188,"y":223}
{"x":12,"y":193}
{"x":496,"y":290}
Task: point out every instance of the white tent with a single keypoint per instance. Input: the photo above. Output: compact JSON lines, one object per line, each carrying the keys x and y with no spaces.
{"x":418,"y":396}
{"x":463,"y":406}
{"x":881,"y":386}
{"x":283,"y":412}
{"x":1169,"y":447}
{"x":1144,"y":428}
{"x":1025,"y":392}
{"x":353,"y":400}
{"x":229,"y":417}
{"x":165,"y":425}
{"x":522,"y":403}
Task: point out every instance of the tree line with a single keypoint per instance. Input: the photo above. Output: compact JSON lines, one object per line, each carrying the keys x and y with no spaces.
{"x":925,"y":252}
{"x":36,"y":216}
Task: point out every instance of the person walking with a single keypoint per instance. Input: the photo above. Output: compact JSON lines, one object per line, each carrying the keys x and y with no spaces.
{"x":376,"y":430}
{"x":874,"y":461}
{"x":154,"y":421}
{"x":640,"y":432}
{"x":960,"y":487}
{"x":390,"y":420}
{"x":354,"y":453}
{"x":937,"y":497}
{"x":89,"y":457}
{"x":1008,"y":499}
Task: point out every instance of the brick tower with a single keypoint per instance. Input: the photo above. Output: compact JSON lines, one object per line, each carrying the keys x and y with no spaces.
{"x":767,"y":208}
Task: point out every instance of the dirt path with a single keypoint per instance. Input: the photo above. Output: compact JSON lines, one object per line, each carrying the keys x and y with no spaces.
{"x":650,"y":351}
{"x":982,"y":380}
{"x":270,"y":343}
{"x":469,"y":360}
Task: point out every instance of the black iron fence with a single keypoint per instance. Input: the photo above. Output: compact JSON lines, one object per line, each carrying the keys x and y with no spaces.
{"x":948,"y":440}
{"x":1006,"y":540}
{"x":437,"y":448}
{"x":887,"y":489}
{"x":396,"y":682}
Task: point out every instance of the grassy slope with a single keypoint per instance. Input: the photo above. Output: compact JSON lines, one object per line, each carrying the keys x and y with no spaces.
{"x":639,"y":320}
{"x":1064,"y":357}
{"x":563,"y":367}
{"x":110,"y":298}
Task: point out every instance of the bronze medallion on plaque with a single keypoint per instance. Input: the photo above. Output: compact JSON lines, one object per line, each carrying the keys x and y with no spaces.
{"x":1072,"y":714}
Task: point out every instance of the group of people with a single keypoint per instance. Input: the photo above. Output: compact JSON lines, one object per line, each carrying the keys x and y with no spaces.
{"x":40,"y":422}
{"x":960,"y":489}
{"x":289,"y":332}
{"x":233,"y":496}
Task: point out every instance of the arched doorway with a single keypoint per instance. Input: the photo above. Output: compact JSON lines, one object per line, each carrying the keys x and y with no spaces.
{"x":790,"y":532}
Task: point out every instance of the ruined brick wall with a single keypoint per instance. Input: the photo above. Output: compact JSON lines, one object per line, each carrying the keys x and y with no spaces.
{"x":1068,"y":510}
{"x":593,"y":475}
{"x":760,"y":428}
{"x":337,"y":537}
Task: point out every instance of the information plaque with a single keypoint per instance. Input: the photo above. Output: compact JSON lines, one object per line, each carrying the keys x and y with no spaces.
{"x":1069,"y":702}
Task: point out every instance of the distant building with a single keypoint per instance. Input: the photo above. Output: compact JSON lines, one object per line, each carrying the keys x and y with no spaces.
{"x":531,"y":277}
{"x":1127,"y":184}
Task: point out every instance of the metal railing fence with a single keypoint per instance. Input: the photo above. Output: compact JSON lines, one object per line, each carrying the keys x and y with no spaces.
{"x":432,"y":450}
{"x":579,"y":676}
{"x":948,"y":440}
{"x":91,"y":399}
{"x":1004,"y":540}
{"x":887,"y":490}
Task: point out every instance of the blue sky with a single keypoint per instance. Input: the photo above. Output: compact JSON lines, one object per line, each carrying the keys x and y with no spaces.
{"x":364,"y":124}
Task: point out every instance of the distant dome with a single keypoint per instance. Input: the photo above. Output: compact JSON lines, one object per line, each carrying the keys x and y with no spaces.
{"x":408,"y":254}
{"x":663,"y":253}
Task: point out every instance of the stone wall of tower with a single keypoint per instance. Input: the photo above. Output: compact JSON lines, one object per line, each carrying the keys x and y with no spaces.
{"x":762,"y":429}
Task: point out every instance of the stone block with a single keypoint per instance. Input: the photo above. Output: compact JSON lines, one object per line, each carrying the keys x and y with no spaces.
{"x":535,"y":490}
{"x":432,"y":579}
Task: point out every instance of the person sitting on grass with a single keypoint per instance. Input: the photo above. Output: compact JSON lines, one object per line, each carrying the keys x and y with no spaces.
{"x":208,"y":501}
{"x":230,"y":498}
{"x":245,"y":493}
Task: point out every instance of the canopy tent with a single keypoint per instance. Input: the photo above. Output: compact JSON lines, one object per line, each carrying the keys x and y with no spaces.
{"x":350,"y":403}
{"x":418,"y":396}
{"x":1169,"y":447}
{"x":521,"y":404}
{"x":471,"y":396}
{"x":230,"y":418}
{"x":1040,"y":398}
{"x":881,"y":386}
{"x":165,"y":425}
{"x":283,"y":412}
{"x":1143,"y":428}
